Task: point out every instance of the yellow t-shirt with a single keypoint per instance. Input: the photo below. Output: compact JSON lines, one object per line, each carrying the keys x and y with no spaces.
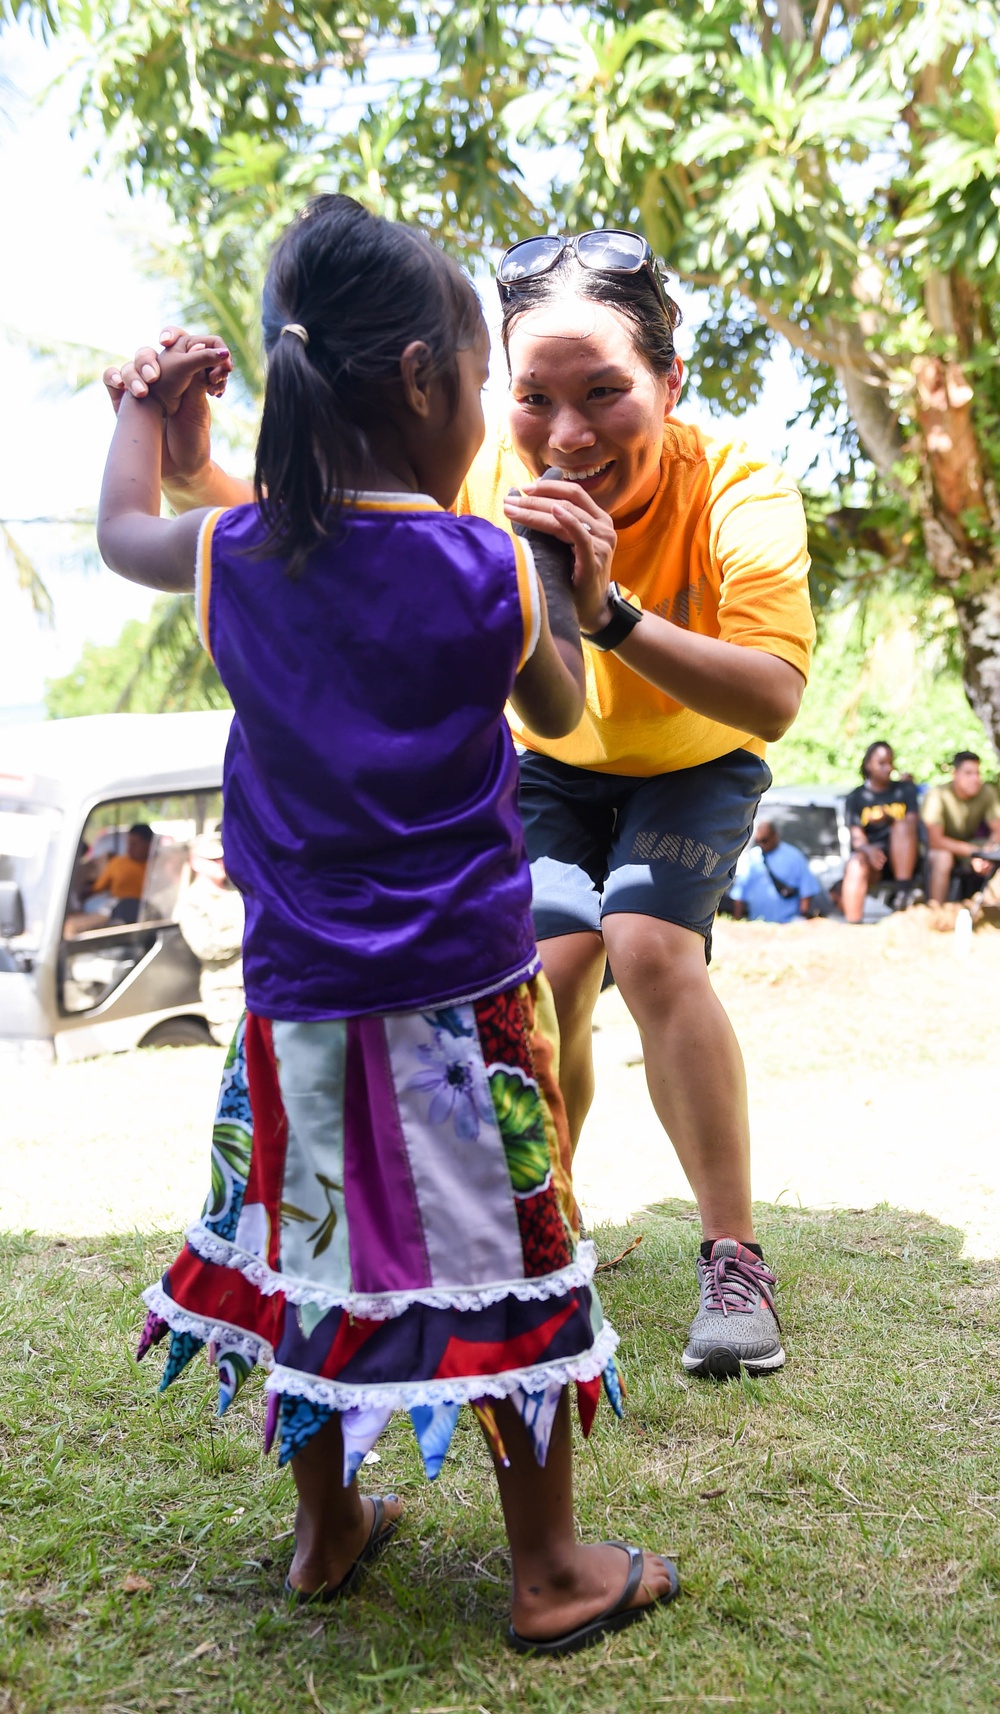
{"x":122,"y":877}
{"x":720,"y":550}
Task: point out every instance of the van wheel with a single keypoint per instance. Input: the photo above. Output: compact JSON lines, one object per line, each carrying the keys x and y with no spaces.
{"x":178,"y":1032}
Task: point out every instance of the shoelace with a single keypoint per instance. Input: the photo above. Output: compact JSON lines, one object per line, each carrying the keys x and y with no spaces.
{"x":733,"y":1283}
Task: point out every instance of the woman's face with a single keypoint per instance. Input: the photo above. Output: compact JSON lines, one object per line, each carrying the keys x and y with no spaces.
{"x":584,"y":399}
{"x":880,"y":766}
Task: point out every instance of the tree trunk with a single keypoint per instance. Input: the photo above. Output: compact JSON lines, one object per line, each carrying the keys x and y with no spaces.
{"x":979,"y":628}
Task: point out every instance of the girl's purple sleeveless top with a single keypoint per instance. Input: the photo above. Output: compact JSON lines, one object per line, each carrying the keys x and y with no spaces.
{"x":370,"y":784}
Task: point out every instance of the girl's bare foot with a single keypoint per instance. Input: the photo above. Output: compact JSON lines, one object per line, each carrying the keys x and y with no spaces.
{"x":565,"y":1596}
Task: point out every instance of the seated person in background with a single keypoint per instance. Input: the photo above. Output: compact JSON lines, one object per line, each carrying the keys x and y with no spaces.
{"x":120,"y":882}
{"x":959,"y":817}
{"x":882,"y":819}
{"x":210,"y":917}
{"x":773,"y":880}
{"x":113,"y":896}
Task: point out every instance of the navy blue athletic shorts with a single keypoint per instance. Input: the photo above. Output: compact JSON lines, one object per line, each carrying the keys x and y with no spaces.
{"x":661,"y":846}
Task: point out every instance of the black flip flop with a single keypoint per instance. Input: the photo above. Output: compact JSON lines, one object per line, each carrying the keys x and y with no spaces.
{"x":614,"y":1618}
{"x":378,"y":1538}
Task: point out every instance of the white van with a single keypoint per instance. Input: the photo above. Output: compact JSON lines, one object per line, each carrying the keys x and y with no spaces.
{"x":69,"y":792}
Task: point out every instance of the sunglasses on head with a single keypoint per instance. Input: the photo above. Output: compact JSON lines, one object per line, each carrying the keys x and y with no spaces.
{"x":605,"y":251}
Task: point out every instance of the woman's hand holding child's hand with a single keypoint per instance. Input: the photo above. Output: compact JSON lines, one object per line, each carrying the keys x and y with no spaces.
{"x":561,"y":508}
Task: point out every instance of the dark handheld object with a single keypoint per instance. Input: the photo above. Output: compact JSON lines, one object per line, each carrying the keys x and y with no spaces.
{"x":551,"y":555}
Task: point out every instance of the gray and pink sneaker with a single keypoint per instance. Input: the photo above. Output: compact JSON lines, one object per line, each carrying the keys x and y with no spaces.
{"x":736,"y":1328}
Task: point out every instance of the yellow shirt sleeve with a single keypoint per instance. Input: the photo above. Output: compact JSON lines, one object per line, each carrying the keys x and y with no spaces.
{"x":757,"y":537}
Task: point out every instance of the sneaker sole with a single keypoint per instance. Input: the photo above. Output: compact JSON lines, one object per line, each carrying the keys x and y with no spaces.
{"x":722,"y":1363}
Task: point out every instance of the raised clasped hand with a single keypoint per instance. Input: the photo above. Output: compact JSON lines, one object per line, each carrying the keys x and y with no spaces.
{"x":561,"y":508}
{"x":183,"y":386}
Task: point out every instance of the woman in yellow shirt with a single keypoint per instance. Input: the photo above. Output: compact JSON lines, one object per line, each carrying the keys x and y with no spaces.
{"x":690,"y":573}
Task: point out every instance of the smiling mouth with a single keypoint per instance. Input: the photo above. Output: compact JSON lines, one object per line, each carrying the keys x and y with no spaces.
{"x":585,"y":475}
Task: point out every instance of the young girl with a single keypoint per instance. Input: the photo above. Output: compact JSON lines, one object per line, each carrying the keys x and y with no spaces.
{"x":391,"y":1223}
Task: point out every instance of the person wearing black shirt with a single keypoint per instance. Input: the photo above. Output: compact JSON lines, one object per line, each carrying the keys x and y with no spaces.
{"x":882,"y":819}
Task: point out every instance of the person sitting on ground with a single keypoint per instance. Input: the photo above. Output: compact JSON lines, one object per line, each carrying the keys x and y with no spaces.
{"x":113,"y":895}
{"x":882,"y":818}
{"x":959,"y":816}
{"x":773,"y":881}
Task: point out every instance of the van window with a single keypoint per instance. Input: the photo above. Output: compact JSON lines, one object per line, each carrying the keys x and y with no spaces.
{"x":813,"y":827}
{"x":131,"y":871}
{"x":28,"y":836}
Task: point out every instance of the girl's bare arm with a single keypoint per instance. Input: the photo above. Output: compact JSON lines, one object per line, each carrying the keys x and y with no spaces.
{"x":134,"y":540}
{"x":190,"y":478}
{"x":550,"y":690}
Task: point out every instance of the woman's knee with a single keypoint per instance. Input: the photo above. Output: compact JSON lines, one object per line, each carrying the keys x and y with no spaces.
{"x":652,"y":961}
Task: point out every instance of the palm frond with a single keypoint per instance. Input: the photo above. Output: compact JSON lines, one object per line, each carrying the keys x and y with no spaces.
{"x":71,"y":366}
{"x":171,"y":656}
{"x":28,"y":577}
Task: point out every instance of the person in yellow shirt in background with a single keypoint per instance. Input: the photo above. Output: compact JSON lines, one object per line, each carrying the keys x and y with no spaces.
{"x":690,"y":569}
{"x":115,"y":893}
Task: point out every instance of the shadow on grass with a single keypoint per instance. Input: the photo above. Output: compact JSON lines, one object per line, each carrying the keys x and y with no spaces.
{"x":835,"y":1525}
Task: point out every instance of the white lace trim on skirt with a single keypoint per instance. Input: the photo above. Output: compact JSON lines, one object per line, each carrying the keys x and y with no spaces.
{"x":385,"y":1306}
{"x":179,"y":1320}
{"x":456,"y":1390}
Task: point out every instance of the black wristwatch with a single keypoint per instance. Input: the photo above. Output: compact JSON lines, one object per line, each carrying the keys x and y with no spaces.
{"x":623,"y":621}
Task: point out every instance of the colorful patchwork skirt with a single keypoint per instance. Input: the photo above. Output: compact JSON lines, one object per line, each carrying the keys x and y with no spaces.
{"x":391,"y":1226}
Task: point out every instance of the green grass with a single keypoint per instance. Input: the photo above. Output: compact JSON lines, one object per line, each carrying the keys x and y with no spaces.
{"x":835,"y":1526}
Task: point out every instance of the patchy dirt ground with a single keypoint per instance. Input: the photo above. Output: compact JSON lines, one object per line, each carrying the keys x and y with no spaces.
{"x":872,"y":1061}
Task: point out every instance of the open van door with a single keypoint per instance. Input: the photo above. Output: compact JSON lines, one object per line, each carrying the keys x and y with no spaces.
{"x":85,"y":972}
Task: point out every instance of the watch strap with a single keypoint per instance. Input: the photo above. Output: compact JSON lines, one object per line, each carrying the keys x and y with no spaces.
{"x":623,"y":621}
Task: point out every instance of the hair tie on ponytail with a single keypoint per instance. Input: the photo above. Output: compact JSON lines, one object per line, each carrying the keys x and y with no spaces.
{"x":298,"y":330}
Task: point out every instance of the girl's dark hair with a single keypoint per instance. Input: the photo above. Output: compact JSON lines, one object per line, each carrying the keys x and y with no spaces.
{"x":879,"y":744}
{"x":361,"y":289}
{"x":633,"y":295}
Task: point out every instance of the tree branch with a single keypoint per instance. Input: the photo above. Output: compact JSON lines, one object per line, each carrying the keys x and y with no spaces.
{"x":790,"y":21}
{"x":821,"y":19}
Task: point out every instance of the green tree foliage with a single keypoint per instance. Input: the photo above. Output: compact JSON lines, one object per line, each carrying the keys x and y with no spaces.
{"x":886,"y":667}
{"x":157,"y":665}
{"x":827,"y":170}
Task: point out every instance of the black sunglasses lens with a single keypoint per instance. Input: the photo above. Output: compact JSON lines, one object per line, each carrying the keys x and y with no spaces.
{"x":623,"y":252}
{"x":534,"y":256}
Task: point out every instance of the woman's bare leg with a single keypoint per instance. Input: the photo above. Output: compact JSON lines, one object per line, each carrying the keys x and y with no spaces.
{"x":332,"y":1523}
{"x":558,"y":1582}
{"x":903,"y":850}
{"x":857,"y":879}
{"x":574,"y":965}
{"x":694,"y":1068}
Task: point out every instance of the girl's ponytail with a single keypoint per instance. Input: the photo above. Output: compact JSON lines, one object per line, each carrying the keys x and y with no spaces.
{"x":345,"y":294}
{"x":297,"y":489}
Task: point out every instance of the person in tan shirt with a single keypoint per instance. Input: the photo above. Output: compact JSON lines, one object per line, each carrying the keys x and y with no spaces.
{"x":959,"y":817}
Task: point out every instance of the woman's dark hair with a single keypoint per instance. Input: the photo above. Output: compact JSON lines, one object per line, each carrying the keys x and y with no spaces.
{"x":879,"y":744}
{"x":360,"y":289}
{"x":633,"y":295}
